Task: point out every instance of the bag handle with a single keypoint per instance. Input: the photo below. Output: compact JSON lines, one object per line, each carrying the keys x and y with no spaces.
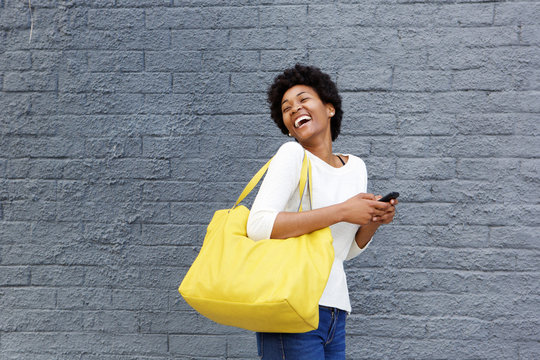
{"x":305,"y":176}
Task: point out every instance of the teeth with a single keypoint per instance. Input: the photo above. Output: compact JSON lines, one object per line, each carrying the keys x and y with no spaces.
{"x":300,"y":119}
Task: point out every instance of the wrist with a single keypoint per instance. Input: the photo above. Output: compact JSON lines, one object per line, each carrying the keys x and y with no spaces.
{"x":369,"y":229}
{"x":340,"y":211}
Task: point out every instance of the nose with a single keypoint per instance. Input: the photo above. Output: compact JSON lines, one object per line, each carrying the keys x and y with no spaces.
{"x":297,"y":107}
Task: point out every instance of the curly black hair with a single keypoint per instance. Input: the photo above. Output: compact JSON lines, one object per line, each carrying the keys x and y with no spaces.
{"x":309,"y":76}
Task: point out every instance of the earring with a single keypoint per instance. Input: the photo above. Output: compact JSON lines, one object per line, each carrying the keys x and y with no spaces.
{"x":290,"y":134}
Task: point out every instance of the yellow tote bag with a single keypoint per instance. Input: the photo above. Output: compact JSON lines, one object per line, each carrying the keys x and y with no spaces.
{"x":270,"y":285}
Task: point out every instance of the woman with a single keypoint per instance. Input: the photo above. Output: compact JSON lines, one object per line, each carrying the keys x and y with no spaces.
{"x":305,"y":104}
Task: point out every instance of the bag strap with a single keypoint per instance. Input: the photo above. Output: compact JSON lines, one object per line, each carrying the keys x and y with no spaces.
{"x":305,"y":176}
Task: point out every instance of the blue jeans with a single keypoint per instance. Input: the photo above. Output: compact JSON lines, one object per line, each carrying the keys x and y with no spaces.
{"x":325,"y":343}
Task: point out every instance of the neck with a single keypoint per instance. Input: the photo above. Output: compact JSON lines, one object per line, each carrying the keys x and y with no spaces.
{"x":322,"y":149}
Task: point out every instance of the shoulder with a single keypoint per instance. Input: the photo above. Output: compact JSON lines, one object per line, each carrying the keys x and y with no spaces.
{"x":291,"y":150}
{"x":291,"y":147}
{"x":357,"y":163}
{"x":288,"y":158}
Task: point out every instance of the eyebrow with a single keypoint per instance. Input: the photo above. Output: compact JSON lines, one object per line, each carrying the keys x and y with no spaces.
{"x":300,"y":93}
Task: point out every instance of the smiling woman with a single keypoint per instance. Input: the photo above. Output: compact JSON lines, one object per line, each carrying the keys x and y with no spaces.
{"x":310,"y":78}
{"x":305,"y":104}
{"x":304,"y":114}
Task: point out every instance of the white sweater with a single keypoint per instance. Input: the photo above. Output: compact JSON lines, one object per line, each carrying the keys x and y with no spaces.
{"x":279,"y":192}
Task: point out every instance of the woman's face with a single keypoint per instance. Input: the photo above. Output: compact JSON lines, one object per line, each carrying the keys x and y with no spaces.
{"x":304,"y":113}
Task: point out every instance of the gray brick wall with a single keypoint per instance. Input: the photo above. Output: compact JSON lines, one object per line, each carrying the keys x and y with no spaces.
{"x":124,"y":124}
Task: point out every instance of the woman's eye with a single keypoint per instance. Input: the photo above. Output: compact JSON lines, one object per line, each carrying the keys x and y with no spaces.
{"x":304,"y":99}
{"x":286,"y":109}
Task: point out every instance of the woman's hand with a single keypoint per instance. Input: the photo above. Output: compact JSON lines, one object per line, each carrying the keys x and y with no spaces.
{"x":364,"y":208}
{"x":365,"y":233}
{"x":389,"y":214}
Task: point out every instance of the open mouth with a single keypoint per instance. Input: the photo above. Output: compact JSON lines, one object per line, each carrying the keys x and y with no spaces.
{"x":302,"y":120}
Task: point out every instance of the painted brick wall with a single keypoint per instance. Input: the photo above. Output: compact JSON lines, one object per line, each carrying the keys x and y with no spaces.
{"x":125,"y":123}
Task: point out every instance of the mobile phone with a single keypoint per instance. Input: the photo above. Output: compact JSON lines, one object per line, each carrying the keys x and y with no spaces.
{"x":389,"y":196}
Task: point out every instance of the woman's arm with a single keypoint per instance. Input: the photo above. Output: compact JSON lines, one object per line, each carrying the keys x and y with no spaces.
{"x":267,"y":221}
{"x":361,"y":209}
{"x":365,"y":233}
{"x":279,"y":184}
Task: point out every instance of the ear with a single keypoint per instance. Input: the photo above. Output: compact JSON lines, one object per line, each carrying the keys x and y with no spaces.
{"x":330,"y":110}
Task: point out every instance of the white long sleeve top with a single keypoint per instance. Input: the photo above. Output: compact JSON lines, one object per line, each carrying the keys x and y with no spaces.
{"x":279,"y":192}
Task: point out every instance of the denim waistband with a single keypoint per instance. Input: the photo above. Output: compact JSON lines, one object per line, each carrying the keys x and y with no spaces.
{"x":329,"y":308}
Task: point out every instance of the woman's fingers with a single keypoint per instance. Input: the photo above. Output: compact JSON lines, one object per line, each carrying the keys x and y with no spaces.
{"x":388,"y":216}
{"x":379,"y":209}
{"x":380,"y":204}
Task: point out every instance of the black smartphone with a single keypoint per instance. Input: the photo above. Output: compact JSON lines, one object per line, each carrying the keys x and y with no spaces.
{"x":390,"y":196}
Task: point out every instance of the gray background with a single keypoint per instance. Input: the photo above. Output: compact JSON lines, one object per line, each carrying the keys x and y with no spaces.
{"x":124,"y":124}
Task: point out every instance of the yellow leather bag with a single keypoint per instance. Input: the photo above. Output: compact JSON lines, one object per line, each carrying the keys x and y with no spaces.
{"x":271,"y":285}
